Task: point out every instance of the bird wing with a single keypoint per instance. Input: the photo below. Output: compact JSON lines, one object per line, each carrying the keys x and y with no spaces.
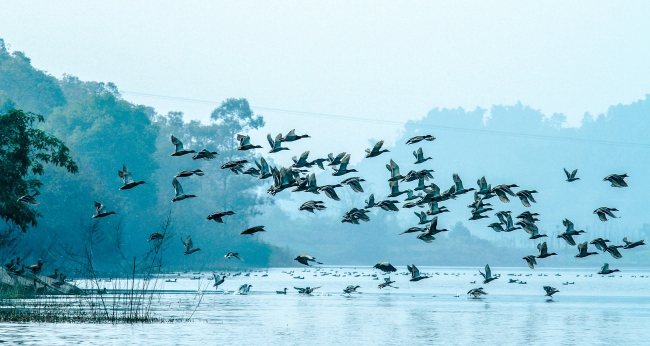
{"x":488,"y":272}
{"x":303,"y":158}
{"x":573,"y":174}
{"x":582,"y":248}
{"x":394,"y":187}
{"x":502,"y":196}
{"x":377,"y":146}
{"x":458,"y":182}
{"x":568,"y":176}
{"x":524,"y":200}
{"x":190,"y":244}
{"x":605,"y":267}
{"x":569,"y":225}
{"x":601,"y":215}
{"x":98,"y":207}
{"x":344,"y":163}
{"x":177,"y":143}
{"x":434,"y":224}
{"x":278,"y":140}
{"x":177,"y":187}
{"x":271,"y":142}
{"x":614,"y":252}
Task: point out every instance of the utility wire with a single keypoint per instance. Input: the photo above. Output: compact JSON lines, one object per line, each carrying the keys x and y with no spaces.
{"x":400,"y":123}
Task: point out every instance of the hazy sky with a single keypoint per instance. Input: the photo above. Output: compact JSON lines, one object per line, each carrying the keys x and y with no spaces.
{"x":370,"y":59}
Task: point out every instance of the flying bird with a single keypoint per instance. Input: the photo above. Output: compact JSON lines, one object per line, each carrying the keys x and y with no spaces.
{"x":583,"y":251}
{"x":343,"y":167}
{"x":417,"y":139}
{"x":305,"y":259}
{"x":276,"y":145}
{"x":604,"y":270}
{"x":245,"y":143}
{"x":476,"y":293}
{"x":232,"y":254}
{"x":604,"y":212}
{"x":376,"y":150}
{"x":291,"y":136}
{"x":218,"y":281}
{"x":253,"y":230}
{"x":419,"y":156}
{"x":184,"y":174}
{"x":127,"y":179}
{"x":205,"y":154}
{"x":632,"y":245}
{"x":98,"y":211}
{"x":531,"y":261}
{"x":189,"y":246}
{"x":155,"y":236}
{"x":178,"y":148}
{"x":571,"y":177}
{"x":218,"y":216}
{"x":550,"y":291}
{"x":415,"y":273}
{"x":354,"y":183}
{"x":617,"y":180}
{"x":29,"y":199}
{"x":179,"y":194}
{"x":387,"y":283}
{"x":487,"y":275}
{"x":385,"y":267}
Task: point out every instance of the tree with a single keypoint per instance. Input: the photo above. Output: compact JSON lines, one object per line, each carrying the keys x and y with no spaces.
{"x":24,"y":150}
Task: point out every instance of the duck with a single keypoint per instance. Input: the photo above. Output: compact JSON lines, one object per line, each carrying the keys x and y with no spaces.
{"x":528,"y":217}
{"x":550,"y":291}
{"x":478,"y":216}
{"x":189,"y":246}
{"x":233,"y":254}
{"x":604,"y":212}
{"x":387,"y":205}
{"x":543,"y":251}
{"x":502,"y":191}
{"x":418,"y":139}
{"x":291,"y":136}
{"x":394,"y":189}
{"x":205,"y":154}
{"x":526,"y":196}
{"x":387,"y":283}
{"x":530,"y":260}
{"x":335,"y":160}
{"x":282,"y":292}
{"x":218,"y":281}
{"x":370,"y":202}
{"x":307,"y":290}
{"x":419,"y":156}
{"x":263,"y":166}
{"x":253,"y":230}
{"x":276,"y":145}
{"x":476,"y":293}
{"x":415,"y":273}
{"x":310,"y":206}
{"x":393,"y":168}
{"x":484,"y":188}
{"x":487,"y":275}
{"x":571,"y":177}
{"x":632,"y":245}
{"x":583,"y":251}
{"x":178,"y":148}
{"x":386,"y":267}
{"x":180,"y":195}
{"x":604,"y":270}
{"x":236,"y":167}
{"x":305,"y":259}
{"x":423,"y":218}
{"x":155,"y":236}
{"x":329,"y":191}
{"x":354,"y":183}
{"x":350,"y":289}
{"x":218,"y":216}
{"x":302,"y":161}
{"x":15,"y":266}
{"x":185,"y":174}
{"x":414,"y":230}
{"x":376,"y":150}
{"x":434,"y":209}
{"x":343,"y":167}
{"x":20,"y":271}
{"x":98,"y":211}
{"x":506,"y":218}
{"x":252,"y":171}
{"x":36,"y":268}
{"x":531,"y":229}
{"x":29,"y":199}
{"x":244,"y":289}
{"x":617,"y":180}
{"x":460,"y":190}
{"x":129,"y":183}
{"x":245,"y":143}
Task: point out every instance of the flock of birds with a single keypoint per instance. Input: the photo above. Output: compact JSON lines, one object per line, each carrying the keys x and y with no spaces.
{"x":298,"y":178}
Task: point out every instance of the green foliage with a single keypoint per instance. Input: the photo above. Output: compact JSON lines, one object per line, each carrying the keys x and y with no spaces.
{"x":23,"y":152}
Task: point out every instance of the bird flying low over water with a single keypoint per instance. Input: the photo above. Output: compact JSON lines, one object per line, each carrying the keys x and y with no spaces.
{"x":253,"y":230}
{"x":98,"y":211}
{"x":604,"y":270}
{"x":415,"y":273}
{"x":276,"y":145}
{"x":476,"y":292}
{"x":617,"y":180}
{"x":217,"y":280}
{"x":180,"y":195}
{"x":29,"y":199}
{"x":530,"y":260}
{"x":205,"y":154}
{"x":487,"y":275}
{"x":291,"y":136}
{"x":571,"y":177}
{"x":387,"y":283}
{"x":543,"y":251}
{"x":217,"y":217}
{"x":385,"y":267}
{"x":305,"y":259}
{"x":245,"y":143}
{"x":350,"y":289}
{"x":129,"y":183}
{"x":417,"y":139}
{"x":550,"y":291}
{"x":189,"y":246}
{"x":604,"y":212}
{"x":184,"y":174}
{"x":307,"y":290}
{"x":632,"y":245}
{"x":232,"y":254}
{"x":178,"y":148}
{"x":376,"y":150}
{"x":583,"y":251}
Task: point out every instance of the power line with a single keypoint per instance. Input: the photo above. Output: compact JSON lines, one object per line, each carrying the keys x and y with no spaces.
{"x":399,"y":123}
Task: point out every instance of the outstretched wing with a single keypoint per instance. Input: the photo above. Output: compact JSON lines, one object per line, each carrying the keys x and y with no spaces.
{"x":177,"y":143}
{"x":98,"y":207}
{"x":488,"y":272}
{"x":271,"y":142}
{"x":177,"y":187}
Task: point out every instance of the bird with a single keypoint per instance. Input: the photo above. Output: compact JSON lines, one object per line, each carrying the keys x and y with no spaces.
{"x":477,"y":216}
{"x":617,"y":180}
{"x":459,"y":186}
{"x":307,"y":290}
{"x":329,"y":191}
{"x":155,"y":236}
{"x":526,"y":196}
{"x":218,"y":216}
{"x":415,"y":273}
{"x":179,"y":194}
{"x":282,"y":292}
{"x":354,"y":183}
{"x":245,"y":143}
{"x":411,"y":196}
{"x":178,"y":148}
{"x":335,"y":161}
{"x":531,"y":261}
{"x":387,"y":283}
{"x":189,"y":246}
{"x":305,"y":259}
{"x":29,"y":199}
{"x":244,"y":289}
{"x":263,"y":166}
{"x":394,"y":189}
{"x":550,"y":291}
{"x":543,"y":251}
{"x":376,"y":150}
{"x":343,"y":167}
{"x":393,"y":168}
{"x":631,"y":245}
{"x":253,"y":230}
{"x":497,"y":227}
{"x":302,"y":161}
{"x":388,"y":205}
{"x":218,"y":281}
{"x":430,"y":231}
{"x":600,"y":243}
{"x":506,"y":218}
{"x":502,"y":191}
{"x":484,"y":188}
{"x":385,"y":267}
{"x":291,"y":136}
{"x":232,"y":254}
{"x":604,"y":212}
{"x":414,"y":230}
{"x":487,"y":275}
{"x":571,"y":177}
{"x":417,"y":139}
{"x":184,"y":174}
{"x":236,"y":167}
{"x":419,"y":156}
{"x":569,"y":233}
{"x":276,"y":145}
{"x":350,"y":289}
{"x":252,"y":171}
{"x":98,"y":211}
{"x":423,"y":218}
{"x":583,"y":251}
{"x":604,"y":270}
{"x":310,"y":206}
{"x":476,"y":293}
{"x":370,"y":202}
{"x":36,"y":268}
{"x":434,"y":209}
{"x":205,"y":154}
{"x":55,"y":275}
{"x":129,"y":183}
{"x":531,"y":229}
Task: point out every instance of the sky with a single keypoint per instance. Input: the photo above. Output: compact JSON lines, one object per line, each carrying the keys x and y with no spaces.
{"x":375,"y":60}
